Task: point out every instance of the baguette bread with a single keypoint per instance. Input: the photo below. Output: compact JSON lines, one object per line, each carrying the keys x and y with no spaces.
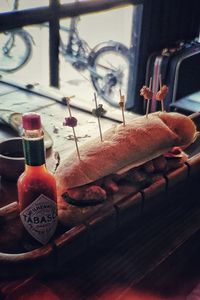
{"x":139,"y":141}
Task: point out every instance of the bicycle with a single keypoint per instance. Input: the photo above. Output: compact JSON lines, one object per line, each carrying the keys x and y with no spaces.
{"x":107,"y":62}
{"x":16,"y":47}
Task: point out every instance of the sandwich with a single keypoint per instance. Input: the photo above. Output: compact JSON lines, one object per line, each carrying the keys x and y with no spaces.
{"x":135,"y":153}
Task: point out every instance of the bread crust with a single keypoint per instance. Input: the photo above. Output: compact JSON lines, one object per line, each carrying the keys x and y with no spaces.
{"x":141,"y":140}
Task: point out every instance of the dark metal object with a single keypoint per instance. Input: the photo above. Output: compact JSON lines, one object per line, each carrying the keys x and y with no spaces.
{"x":134,"y":59}
{"x":54,"y":46}
{"x":11,"y":20}
{"x":160,"y":29}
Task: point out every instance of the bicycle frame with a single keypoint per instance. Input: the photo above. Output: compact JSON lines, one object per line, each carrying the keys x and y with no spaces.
{"x":73,"y":33}
{"x":77,"y":50}
{"x":9,"y":44}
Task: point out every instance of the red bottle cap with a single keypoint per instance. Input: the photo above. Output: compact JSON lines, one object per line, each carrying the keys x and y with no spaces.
{"x":31,"y":121}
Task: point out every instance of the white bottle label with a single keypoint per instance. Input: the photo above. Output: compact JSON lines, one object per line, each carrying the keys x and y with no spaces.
{"x":40,"y":218}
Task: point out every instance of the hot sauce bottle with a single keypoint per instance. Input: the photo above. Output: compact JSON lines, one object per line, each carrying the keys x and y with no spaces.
{"x":36,"y":185}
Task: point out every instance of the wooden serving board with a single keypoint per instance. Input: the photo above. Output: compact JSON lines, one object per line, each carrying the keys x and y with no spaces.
{"x":162,"y":200}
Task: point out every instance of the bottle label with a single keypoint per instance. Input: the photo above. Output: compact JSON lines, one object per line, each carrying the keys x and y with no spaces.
{"x":40,"y":218}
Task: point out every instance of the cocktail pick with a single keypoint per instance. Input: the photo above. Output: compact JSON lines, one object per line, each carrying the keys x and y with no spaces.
{"x":121,"y":104}
{"x":150,"y":95}
{"x":160,"y":81}
{"x":147,"y":93}
{"x":98,"y":112}
{"x":161,"y":94}
{"x":71,"y":122}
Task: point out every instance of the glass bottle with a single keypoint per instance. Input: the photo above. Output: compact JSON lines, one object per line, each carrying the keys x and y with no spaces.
{"x":36,"y":186}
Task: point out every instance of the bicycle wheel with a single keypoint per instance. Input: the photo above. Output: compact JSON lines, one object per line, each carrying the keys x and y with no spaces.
{"x":15,"y":50}
{"x":109,"y":71}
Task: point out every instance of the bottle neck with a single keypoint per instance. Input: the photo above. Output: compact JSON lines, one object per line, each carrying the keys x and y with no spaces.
{"x":34,"y":151}
{"x":32,"y":170}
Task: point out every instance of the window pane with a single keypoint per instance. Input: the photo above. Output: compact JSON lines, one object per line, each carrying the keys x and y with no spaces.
{"x":96,"y":54}
{"x":67,"y":1}
{"x":24,"y":54}
{"x":8,"y":5}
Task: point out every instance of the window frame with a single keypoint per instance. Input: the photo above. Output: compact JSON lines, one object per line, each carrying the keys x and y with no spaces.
{"x":56,"y":11}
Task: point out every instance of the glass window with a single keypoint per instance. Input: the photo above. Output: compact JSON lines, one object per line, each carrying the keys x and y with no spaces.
{"x":9,"y":5}
{"x":68,"y":1}
{"x":24,"y":56}
{"x":93,"y":53}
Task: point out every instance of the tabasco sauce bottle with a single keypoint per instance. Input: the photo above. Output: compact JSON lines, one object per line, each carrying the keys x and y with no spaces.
{"x":36,"y":185}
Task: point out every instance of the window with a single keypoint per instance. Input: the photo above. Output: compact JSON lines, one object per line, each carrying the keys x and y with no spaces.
{"x":93,"y":54}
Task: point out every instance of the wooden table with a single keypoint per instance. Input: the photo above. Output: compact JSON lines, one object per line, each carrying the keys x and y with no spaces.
{"x":153,"y":258}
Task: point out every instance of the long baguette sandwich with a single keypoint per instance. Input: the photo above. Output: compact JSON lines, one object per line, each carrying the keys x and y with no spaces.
{"x":132,"y":152}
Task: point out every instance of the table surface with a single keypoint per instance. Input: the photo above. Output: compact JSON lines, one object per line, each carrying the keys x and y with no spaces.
{"x":106,"y":271}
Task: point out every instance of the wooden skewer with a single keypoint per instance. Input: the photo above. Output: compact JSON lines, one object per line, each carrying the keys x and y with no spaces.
{"x":99,"y":123}
{"x":162,"y":101}
{"x":74,"y":133}
{"x":160,"y":81}
{"x":147,"y":108}
{"x":148,"y":100}
{"x":121,"y":104}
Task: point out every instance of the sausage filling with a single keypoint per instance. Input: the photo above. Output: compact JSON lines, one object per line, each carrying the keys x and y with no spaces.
{"x":141,"y":176}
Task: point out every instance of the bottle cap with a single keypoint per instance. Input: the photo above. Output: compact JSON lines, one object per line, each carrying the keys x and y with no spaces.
{"x":31,"y":121}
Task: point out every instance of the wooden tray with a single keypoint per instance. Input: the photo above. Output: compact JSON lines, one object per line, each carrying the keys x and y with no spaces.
{"x":124,"y":208}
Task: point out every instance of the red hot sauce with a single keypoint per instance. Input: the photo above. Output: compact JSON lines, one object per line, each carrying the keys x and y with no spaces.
{"x":36,"y":185}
